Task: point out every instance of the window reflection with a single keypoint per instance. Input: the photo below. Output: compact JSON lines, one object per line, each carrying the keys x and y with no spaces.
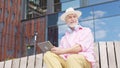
{"x":62,"y":29}
{"x":92,"y":2}
{"x":87,"y":14}
{"x":71,"y":3}
{"x":105,"y":10}
{"x":53,"y":35}
{"x":104,"y":26}
{"x":101,"y":19}
{"x":36,"y":8}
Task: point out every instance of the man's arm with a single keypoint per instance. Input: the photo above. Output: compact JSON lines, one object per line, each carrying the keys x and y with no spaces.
{"x":74,"y":49}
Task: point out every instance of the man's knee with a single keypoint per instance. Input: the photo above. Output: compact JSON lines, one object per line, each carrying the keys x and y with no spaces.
{"x":71,"y":57}
{"x":75,"y":57}
{"x":49,"y":54}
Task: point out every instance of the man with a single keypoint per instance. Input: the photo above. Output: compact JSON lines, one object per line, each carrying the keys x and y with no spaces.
{"x":76,"y":46}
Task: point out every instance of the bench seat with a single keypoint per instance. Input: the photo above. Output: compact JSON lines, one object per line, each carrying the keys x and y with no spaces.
{"x":107,"y":56}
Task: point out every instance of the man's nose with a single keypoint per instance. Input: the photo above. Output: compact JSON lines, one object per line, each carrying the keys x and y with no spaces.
{"x":72,"y":18}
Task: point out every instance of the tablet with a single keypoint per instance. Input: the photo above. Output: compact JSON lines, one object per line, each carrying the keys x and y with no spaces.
{"x":45,"y":46}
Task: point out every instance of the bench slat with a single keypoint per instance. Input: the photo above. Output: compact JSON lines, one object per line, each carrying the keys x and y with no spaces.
{"x":111,"y":55}
{"x":16,"y":63}
{"x":117,"y":49}
{"x":103,"y":55}
{"x":8,"y":64}
{"x":39,"y":60}
{"x":1,"y":64}
{"x":44,"y":65}
{"x":31,"y":61}
{"x":96,"y":54}
{"x":23,"y":62}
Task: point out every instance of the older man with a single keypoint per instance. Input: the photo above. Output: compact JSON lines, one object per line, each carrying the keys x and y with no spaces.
{"x":76,"y":46}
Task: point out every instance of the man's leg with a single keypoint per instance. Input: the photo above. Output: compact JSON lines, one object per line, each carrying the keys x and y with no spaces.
{"x":77,"y":61}
{"x":54,"y":61}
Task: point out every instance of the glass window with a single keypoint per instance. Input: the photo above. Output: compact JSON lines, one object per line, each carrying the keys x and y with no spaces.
{"x":105,"y":10}
{"x":59,"y":22}
{"x":36,"y":8}
{"x":101,"y":19}
{"x":52,"y":19}
{"x":61,"y":31}
{"x":57,"y":6}
{"x":89,"y":23}
{"x":91,"y":2}
{"x":87,"y":14}
{"x":65,"y":0}
{"x":107,"y":29}
{"x":72,"y":3}
{"x":53,"y":35}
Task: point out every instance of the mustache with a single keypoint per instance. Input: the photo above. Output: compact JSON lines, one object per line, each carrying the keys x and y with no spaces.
{"x":74,"y":21}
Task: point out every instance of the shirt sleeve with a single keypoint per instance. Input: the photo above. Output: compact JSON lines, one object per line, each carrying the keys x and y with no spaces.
{"x":86,"y":40}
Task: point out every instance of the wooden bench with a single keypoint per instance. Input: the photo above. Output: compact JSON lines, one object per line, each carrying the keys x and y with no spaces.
{"x":34,"y":61}
{"x":107,"y":56}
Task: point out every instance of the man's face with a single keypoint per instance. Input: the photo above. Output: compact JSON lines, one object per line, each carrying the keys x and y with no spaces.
{"x":71,"y":20}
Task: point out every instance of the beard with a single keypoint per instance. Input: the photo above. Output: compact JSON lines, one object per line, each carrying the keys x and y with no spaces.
{"x":73,"y":24}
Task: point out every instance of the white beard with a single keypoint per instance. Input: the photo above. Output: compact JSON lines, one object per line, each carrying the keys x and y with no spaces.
{"x":72,"y":25}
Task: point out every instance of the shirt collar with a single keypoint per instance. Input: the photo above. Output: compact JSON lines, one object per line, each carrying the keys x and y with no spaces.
{"x":77,"y":27}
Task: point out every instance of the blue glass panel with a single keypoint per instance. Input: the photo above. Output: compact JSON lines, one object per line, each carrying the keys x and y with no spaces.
{"x":61,"y":31}
{"x":87,"y":14}
{"x":73,"y":3}
{"x":91,"y":2}
{"x":107,"y":29}
{"x":59,"y":20}
{"x":64,"y":0}
{"x":102,"y":19}
{"x":89,"y":23}
{"x":105,"y":10}
{"x":52,"y":19}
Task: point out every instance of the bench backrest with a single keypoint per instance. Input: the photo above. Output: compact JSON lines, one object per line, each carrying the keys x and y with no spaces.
{"x":107,"y":54}
{"x":24,"y":62}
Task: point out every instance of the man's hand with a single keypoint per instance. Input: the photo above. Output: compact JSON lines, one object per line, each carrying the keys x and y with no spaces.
{"x":57,"y":50}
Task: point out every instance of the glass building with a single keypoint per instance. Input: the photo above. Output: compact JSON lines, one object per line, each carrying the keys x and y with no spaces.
{"x":101,"y":16}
